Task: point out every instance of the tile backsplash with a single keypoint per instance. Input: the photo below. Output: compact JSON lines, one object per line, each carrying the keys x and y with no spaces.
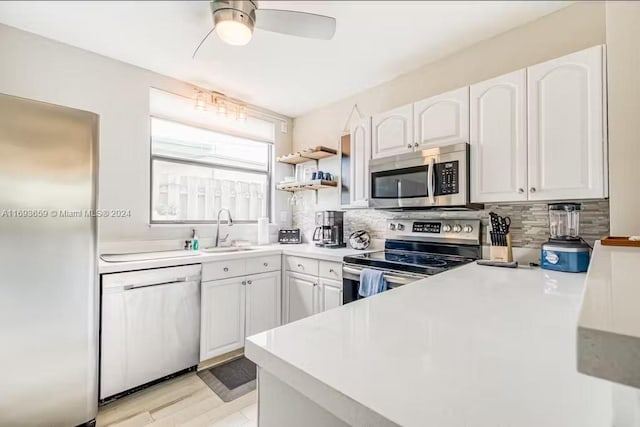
{"x":529,"y":221}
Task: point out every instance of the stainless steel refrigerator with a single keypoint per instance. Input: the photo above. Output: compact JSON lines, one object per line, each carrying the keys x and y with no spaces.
{"x":48,"y":278}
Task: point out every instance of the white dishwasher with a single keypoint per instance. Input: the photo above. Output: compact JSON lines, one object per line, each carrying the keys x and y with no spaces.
{"x":150,"y":326}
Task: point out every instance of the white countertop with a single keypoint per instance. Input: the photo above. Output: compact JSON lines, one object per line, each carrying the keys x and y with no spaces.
{"x":475,"y":346}
{"x":609,"y":324}
{"x":304,"y":250}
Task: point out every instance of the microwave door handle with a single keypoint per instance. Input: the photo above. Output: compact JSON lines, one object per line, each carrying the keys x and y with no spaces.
{"x":399,"y":189}
{"x":430,"y":181}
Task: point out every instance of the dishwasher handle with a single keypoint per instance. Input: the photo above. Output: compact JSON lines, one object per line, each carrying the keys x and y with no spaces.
{"x":158,"y":283}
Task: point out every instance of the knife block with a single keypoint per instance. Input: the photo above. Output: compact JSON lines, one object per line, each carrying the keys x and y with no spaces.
{"x":502,"y":253}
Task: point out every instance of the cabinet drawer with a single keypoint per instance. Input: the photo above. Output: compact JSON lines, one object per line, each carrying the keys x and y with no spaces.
{"x":223,"y":269}
{"x":331,"y":270}
{"x":302,"y":265}
{"x":263,"y":264}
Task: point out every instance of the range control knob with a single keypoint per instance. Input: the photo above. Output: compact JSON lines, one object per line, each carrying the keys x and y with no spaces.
{"x":468,"y":229}
{"x":400,"y":227}
{"x":446,"y":228}
{"x":392,"y":226}
{"x":457,"y":228}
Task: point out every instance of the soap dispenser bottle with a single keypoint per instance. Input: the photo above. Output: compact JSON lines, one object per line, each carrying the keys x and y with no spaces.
{"x":194,"y":240}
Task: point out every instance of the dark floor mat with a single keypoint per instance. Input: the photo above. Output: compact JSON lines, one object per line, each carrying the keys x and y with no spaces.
{"x":232,"y":379}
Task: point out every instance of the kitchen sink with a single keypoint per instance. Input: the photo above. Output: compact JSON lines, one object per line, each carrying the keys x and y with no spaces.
{"x":225,"y":250}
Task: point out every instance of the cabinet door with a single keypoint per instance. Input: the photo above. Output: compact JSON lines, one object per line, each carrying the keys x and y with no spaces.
{"x":566,"y":138}
{"x":392,"y":132}
{"x":442,"y":119}
{"x":360,"y":156}
{"x":300,"y":294}
{"x":331,"y":294}
{"x":263,"y":302}
{"x":499,"y":139}
{"x":222,"y":317}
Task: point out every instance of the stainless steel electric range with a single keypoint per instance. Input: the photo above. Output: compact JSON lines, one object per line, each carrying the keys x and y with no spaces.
{"x":414,"y":250}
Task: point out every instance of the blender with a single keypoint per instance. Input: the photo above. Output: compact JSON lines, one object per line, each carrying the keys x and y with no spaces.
{"x":565,"y":250}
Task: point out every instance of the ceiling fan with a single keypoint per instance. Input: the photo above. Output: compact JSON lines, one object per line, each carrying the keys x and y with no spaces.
{"x":234,"y":21}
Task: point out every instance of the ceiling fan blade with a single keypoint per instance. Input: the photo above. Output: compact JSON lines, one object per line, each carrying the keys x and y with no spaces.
{"x":201,"y":42}
{"x":294,"y":23}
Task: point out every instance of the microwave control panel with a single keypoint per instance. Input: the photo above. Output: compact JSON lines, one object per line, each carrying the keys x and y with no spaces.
{"x":447,"y":178}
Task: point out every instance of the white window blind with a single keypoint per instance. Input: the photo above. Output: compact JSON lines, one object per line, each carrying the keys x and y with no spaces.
{"x":196,"y":170}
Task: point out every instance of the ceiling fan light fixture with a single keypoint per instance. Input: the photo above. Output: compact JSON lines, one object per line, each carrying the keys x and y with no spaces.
{"x":234,"y":33}
{"x":233,"y":21}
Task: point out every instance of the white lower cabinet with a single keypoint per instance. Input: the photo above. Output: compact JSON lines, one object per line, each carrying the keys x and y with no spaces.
{"x":222,"y":319}
{"x":263,"y":301}
{"x":232,"y":309}
{"x":331,"y":294}
{"x":301,"y":296}
{"x":307,"y":294}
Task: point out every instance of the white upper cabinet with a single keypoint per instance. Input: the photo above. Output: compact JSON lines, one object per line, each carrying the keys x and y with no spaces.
{"x":442,"y":119}
{"x":359,"y":157}
{"x":565,"y":127}
{"x":392,"y":132}
{"x":498,"y":138}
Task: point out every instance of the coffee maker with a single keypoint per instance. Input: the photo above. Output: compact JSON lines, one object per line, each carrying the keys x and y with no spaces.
{"x":329,"y":232}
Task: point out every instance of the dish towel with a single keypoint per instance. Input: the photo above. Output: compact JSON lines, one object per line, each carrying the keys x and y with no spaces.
{"x":371,"y":282}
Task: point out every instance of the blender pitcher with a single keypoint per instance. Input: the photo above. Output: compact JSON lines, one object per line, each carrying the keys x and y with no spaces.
{"x":564,"y":221}
{"x":565,"y":250}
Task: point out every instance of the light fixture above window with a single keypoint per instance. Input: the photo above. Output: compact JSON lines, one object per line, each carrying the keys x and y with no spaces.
{"x":242,"y":112}
{"x":201,"y":100}
{"x":221,"y":104}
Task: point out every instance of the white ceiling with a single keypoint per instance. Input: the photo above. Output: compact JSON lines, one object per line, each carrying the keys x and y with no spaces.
{"x":375,"y":41}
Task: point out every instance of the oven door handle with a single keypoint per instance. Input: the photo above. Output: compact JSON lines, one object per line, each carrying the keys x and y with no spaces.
{"x":430,"y":180}
{"x":390,"y":278}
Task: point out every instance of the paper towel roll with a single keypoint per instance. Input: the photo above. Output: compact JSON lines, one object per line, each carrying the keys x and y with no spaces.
{"x":263,"y":231}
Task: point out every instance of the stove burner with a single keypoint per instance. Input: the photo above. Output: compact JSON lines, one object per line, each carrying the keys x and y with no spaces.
{"x":434,"y":263}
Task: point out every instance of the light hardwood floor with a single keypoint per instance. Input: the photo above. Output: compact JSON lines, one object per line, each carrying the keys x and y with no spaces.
{"x":184,"y":401}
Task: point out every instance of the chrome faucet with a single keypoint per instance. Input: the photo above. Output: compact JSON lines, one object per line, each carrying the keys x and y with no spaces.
{"x":230,"y":221}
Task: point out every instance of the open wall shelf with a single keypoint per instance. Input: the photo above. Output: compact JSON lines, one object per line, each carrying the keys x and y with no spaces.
{"x":314,"y":153}
{"x":316,"y":184}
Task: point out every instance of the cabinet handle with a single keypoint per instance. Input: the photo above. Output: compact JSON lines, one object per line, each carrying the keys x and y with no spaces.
{"x":533,"y":189}
{"x":315,"y":284}
{"x":300,"y":266}
{"x":249,"y":282}
{"x":520,"y":190}
{"x":416,"y":145}
{"x":226,"y":269}
{"x":331,"y":270}
{"x":244,"y":283}
{"x":266,"y":264}
{"x":409,"y":146}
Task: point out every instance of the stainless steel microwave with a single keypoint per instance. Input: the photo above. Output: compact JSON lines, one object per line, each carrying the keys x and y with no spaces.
{"x":433,"y":178}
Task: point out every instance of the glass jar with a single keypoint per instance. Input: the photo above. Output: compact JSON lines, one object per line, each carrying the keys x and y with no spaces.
{"x":564,"y":221}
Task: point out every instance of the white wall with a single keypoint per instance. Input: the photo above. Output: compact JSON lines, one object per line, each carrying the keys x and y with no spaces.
{"x":42,"y":69}
{"x":571,"y":29}
{"x":623,"y":68}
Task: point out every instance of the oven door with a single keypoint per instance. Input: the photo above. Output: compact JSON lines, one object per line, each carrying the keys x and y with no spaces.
{"x":351,"y":280}
{"x":430,"y":178}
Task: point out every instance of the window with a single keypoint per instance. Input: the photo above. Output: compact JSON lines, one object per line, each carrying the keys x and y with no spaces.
{"x":196,"y":171}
